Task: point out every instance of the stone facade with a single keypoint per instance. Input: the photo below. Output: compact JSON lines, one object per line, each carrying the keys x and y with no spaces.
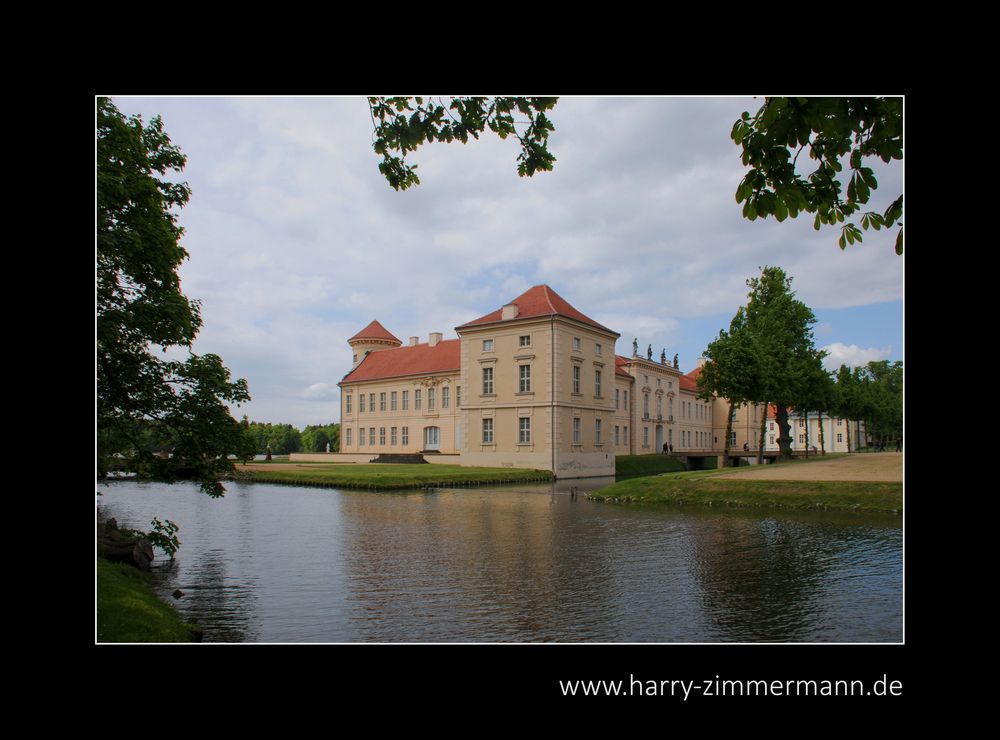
{"x":534,"y":384}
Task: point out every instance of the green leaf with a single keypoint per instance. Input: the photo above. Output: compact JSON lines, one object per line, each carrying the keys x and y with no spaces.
{"x":899,"y":241}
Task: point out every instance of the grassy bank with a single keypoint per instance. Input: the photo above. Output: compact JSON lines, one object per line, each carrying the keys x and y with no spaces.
{"x":392,"y":477}
{"x":707,"y":489}
{"x":129,"y":611}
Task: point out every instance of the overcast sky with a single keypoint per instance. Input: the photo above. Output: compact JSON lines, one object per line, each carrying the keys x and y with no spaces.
{"x":297,"y":242}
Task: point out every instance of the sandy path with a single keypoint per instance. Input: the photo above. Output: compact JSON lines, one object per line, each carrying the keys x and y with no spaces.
{"x":876,"y":466}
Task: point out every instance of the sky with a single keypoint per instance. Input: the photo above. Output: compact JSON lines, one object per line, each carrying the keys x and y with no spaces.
{"x":296,"y":241}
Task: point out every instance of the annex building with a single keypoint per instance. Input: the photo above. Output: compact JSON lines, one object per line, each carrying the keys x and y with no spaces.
{"x":533,"y":384}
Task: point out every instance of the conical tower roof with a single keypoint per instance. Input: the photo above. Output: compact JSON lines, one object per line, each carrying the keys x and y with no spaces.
{"x":375,"y":331}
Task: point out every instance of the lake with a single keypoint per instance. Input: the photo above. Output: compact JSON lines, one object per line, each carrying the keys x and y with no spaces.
{"x":529,"y":563}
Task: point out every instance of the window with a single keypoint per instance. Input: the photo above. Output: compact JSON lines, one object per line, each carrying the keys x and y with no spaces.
{"x":617,"y":393}
{"x":406,"y":436}
{"x":576,"y":430}
{"x":732,"y":439}
{"x":772,"y":426}
{"x":597,"y":431}
{"x":381,"y":402}
{"x":772,"y":439}
{"x":801,"y":423}
{"x":487,"y":381}
{"x":802,"y":439}
{"x":445,"y":393}
{"x":361,"y":436}
{"x":576,"y":378}
{"x":431,"y":400}
{"x":416,"y":399}
{"x":576,"y":343}
{"x":597,"y":349}
{"x":625,"y":435}
{"x":625,"y":399}
{"x":524,"y":436}
{"x":645,"y":404}
{"x":597,"y":382}
{"x":524,"y":341}
{"x":840,"y":437}
{"x":645,"y":436}
{"x":657,"y":382}
{"x":392,"y":436}
{"x":406,"y":400}
{"x":525,"y":376}
{"x":347,"y":401}
{"x":371,"y":436}
{"x":458,"y":396}
{"x":617,"y":436}
{"x":347,"y":437}
{"x":381,"y":436}
{"x":659,"y":405}
{"x":487,"y":345}
{"x":487,"y":431}
{"x":392,"y":401}
{"x":371,"y":402}
{"x":361,"y":403}
{"x":355,"y":359}
{"x":670,"y":407}
{"x":840,"y":422}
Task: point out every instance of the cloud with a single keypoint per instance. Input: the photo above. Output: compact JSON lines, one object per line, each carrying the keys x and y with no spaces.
{"x":296,"y":241}
{"x":321,"y":392}
{"x":852,"y":355}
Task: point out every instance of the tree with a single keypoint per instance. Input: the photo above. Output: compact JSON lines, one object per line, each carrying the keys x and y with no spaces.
{"x":731,"y":371}
{"x":781,"y":330}
{"x":832,"y":128}
{"x":403,"y":124}
{"x":140,"y":307}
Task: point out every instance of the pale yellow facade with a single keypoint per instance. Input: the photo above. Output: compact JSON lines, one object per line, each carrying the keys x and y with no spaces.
{"x":536,"y":391}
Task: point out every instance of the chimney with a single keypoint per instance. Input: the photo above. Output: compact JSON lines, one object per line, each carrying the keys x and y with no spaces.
{"x":413,"y":341}
{"x":508,"y":312}
{"x":435,"y":337}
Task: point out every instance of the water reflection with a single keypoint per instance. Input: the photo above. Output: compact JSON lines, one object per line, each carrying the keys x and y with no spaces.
{"x":526,"y":563}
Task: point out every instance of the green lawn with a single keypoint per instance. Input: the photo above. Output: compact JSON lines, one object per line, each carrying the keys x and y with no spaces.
{"x":386,"y":476}
{"x":129,"y":611}
{"x":704,"y":488}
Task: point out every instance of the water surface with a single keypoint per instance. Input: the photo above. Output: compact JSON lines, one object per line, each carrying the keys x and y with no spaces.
{"x":530,"y":563}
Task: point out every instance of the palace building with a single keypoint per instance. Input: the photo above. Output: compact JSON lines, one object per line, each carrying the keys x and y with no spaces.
{"x":534,"y":384}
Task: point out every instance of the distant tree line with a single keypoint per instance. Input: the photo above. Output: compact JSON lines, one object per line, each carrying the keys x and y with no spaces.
{"x":872,"y":394}
{"x":284,"y":439}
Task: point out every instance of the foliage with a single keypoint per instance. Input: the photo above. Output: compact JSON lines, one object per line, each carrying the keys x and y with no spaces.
{"x":144,"y":401}
{"x":833,"y":129}
{"x":781,"y":330}
{"x":732,"y":370}
{"x":402,"y":124}
{"x":316,"y":438}
{"x":164,"y":536}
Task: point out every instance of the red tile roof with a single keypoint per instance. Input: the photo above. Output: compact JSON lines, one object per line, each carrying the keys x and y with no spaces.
{"x":374,"y":331}
{"x":689,"y":382}
{"x":421,"y":359}
{"x":535,"y":303}
{"x":620,"y":363}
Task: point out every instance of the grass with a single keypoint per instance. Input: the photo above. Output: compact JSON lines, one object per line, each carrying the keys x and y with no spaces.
{"x":389,"y":477}
{"x":129,"y":611}
{"x":705,"y":489}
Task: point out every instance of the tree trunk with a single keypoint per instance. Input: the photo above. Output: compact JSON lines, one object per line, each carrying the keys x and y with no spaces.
{"x":763,"y":431}
{"x":784,"y":432}
{"x":729,"y":434}
{"x":822,"y":437}
{"x":805,"y":414}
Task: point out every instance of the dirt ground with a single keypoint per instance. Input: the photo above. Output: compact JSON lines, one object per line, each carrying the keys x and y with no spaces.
{"x":876,"y":466}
